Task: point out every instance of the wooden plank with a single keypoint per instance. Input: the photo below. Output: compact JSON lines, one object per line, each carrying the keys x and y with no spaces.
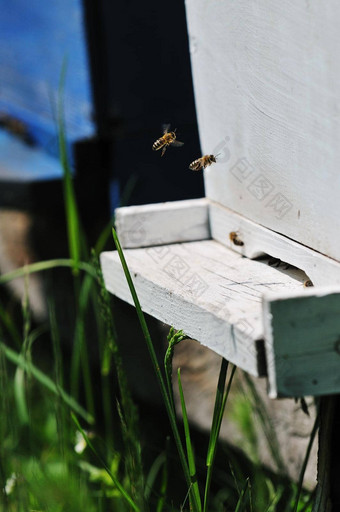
{"x":302,"y":339}
{"x":258,"y":240}
{"x":266,"y":80}
{"x":163,"y":223}
{"x":204,"y":288}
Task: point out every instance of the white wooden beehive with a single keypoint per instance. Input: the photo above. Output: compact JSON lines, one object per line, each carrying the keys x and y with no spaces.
{"x":267,"y":88}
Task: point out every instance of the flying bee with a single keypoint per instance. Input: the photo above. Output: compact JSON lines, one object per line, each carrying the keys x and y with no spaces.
{"x":234,"y":238}
{"x":167,"y":139}
{"x":202,"y":163}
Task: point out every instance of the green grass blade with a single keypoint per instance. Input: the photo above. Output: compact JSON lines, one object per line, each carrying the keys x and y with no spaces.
{"x":71,"y":209}
{"x":154,"y":471}
{"x":79,"y":352}
{"x":242,"y":501}
{"x":173,"y":339}
{"x":46,"y":265}
{"x":20,"y":396}
{"x":267,"y":427}
{"x":128,"y":411}
{"x":128,"y":189}
{"x":190,"y":453}
{"x":116,"y":482}
{"x":20,"y":383}
{"x":17,"y":359}
{"x":275,"y":500}
{"x":305,"y":461}
{"x":165,"y":479}
{"x":167,"y":402}
{"x":220,"y":403}
{"x":217,"y":407}
{"x":7,"y":322}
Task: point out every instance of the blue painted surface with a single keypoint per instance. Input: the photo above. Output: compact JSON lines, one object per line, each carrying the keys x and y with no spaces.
{"x":22,"y":163}
{"x":35,"y":37}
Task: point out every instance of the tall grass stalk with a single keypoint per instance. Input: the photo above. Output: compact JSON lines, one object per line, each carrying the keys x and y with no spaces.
{"x":305,"y":461}
{"x":79,"y":359}
{"x":21,"y":376}
{"x":173,"y":339}
{"x":219,"y":408}
{"x":190,"y":452}
{"x":60,"y":413}
{"x":166,"y":399}
{"x":71,"y":210}
{"x":127,"y":410}
{"x":267,"y":427}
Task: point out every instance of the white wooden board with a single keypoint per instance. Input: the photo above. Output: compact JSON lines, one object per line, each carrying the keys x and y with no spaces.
{"x":163,"y":223}
{"x":206,"y":289}
{"x":302,"y":333}
{"x":267,"y":88}
{"x":258,"y":240}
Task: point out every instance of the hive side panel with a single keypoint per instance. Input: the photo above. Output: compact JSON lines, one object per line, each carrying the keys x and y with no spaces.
{"x":302,"y":340}
{"x":267,"y":88}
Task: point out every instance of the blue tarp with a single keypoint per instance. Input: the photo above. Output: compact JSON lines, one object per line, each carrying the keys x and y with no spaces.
{"x":35,"y":38}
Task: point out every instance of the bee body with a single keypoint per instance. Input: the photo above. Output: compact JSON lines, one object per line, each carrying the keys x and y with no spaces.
{"x":202,"y":163}
{"x":234,"y":238}
{"x":167,"y":139}
{"x":308,"y":283}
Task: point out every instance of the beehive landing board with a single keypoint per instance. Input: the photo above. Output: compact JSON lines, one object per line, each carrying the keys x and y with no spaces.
{"x":267,"y":89}
{"x":201,"y":219}
{"x":206,"y":289}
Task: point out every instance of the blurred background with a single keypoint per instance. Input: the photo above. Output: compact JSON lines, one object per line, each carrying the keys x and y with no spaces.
{"x":127,"y":72}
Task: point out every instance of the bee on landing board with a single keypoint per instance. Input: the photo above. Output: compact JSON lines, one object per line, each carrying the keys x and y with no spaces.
{"x":234,"y":238}
{"x":167,"y":139}
{"x":308,"y":283}
{"x":202,"y":163}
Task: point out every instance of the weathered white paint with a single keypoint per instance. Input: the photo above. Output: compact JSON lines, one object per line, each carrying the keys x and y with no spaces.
{"x":166,"y":223}
{"x":163,"y":223}
{"x":302,"y":340}
{"x":267,"y":76}
{"x":206,"y":289}
{"x":259,"y":240}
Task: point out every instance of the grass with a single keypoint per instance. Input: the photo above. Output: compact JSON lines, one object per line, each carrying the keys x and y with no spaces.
{"x":70,"y":432}
{"x":56,"y":456}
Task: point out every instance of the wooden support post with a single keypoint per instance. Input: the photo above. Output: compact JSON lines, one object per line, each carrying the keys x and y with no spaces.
{"x":323,"y":499}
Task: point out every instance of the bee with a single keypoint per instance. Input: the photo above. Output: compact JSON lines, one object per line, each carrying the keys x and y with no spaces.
{"x":167,"y":139}
{"x":308,"y":283}
{"x":202,"y":163}
{"x":234,"y":238}
{"x":276,"y":262}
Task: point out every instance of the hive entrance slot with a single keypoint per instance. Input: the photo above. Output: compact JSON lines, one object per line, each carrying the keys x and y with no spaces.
{"x":286,"y":268}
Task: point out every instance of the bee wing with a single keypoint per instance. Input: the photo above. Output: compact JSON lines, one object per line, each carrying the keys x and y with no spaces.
{"x":166,"y":127}
{"x":177,"y":143}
